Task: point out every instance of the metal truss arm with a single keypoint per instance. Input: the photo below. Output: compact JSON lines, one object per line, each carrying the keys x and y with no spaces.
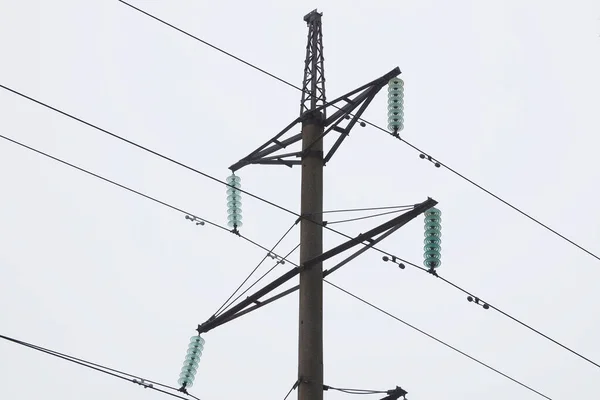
{"x":384,"y":230}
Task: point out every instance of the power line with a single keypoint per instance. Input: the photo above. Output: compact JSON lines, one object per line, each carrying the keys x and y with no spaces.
{"x":263,"y":276}
{"x":250,"y":240}
{"x":223,"y":306}
{"x":146,"y":383}
{"x":487,"y":305}
{"x":243,"y":191}
{"x":146,"y":149}
{"x":172,"y":207}
{"x":216,"y":225}
{"x":436,"y":339}
{"x":375,"y":126}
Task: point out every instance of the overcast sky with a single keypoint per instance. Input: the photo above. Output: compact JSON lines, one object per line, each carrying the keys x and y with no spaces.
{"x":506,"y":92}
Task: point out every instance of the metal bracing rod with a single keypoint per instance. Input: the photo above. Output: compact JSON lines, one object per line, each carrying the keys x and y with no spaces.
{"x":287,"y":163}
{"x":240,"y":309}
{"x":277,"y":146}
{"x":212,"y":322}
{"x":355,"y":118}
{"x":257,"y":305}
{"x":347,"y":109}
{"x":280,"y":156}
{"x":401,"y":219}
{"x":359,"y":252}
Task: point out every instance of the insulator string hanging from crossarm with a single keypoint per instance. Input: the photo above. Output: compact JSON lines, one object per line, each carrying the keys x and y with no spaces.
{"x":190,"y":364}
{"x":234,"y":202}
{"x":433,"y":239}
{"x":396,"y":105}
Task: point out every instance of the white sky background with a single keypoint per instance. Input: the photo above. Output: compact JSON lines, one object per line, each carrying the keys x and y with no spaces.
{"x":504,"y":91}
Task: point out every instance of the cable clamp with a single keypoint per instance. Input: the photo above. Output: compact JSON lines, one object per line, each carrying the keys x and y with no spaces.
{"x":479,"y":302}
{"x":143,"y":383}
{"x":394,"y":260}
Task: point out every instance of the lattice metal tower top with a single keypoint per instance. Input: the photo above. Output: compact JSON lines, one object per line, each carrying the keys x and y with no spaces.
{"x":313,"y":85}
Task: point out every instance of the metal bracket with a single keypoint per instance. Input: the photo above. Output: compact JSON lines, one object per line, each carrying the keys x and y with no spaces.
{"x":356,"y":101}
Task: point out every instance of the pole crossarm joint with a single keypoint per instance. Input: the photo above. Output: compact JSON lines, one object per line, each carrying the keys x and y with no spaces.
{"x":341,"y":121}
{"x":396,"y":222}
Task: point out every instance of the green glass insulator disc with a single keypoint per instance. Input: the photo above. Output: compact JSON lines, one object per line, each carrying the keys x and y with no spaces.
{"x":433,"y":232}
{"x":234,"y":210}
{"x":187,"y":375}
{"x":233,"y":224}
{"x":395,"y":98}
{"x":395,"y":119}
{"x":196,"y":346}
{"x":234,"y":203}
{"x":394,"y":127}
{"x":432,"y":254}
{"x":233,"y":178}
{"x":187,"y":382}
{"x":432,"y":262}
{"x":396,"y":81}
{"x":432,"y":240}
{"x":396,"y":107}
{"x":188,"y":369}
{"x":396,"y":114}
{"x":194,"y":352}
{"x":234,"y":197}
{"x":233,"y":192}
{"x":197,"y":339}
{"x":433,"y":218}
{"x":432,"y":225}
{"x":193,"y":361}
{"x":234,"y":218}
{"x":432,"y":247}
{"x":433,"y":211}
{"x":395,"y":88}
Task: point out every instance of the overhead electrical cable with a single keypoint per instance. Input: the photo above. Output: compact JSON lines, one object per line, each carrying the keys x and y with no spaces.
{"x":537,"y":221}
{"x":243,"y":191}
{"x":434,"y":338}
{"x":283,"y":259}
{"x":212,"y":224}
{"x":172,"y":207}
{"x":146,"y":383}
{"x":269,"y":254}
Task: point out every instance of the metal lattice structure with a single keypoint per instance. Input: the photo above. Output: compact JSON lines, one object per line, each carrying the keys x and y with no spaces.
{"x":313,"y":84}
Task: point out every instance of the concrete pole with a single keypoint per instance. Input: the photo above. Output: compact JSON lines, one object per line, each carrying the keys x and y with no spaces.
{"x":310,"y":355}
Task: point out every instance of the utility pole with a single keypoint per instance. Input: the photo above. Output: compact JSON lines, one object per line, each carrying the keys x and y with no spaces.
{"x":315,"y":125}
{"x":310,"y":338}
